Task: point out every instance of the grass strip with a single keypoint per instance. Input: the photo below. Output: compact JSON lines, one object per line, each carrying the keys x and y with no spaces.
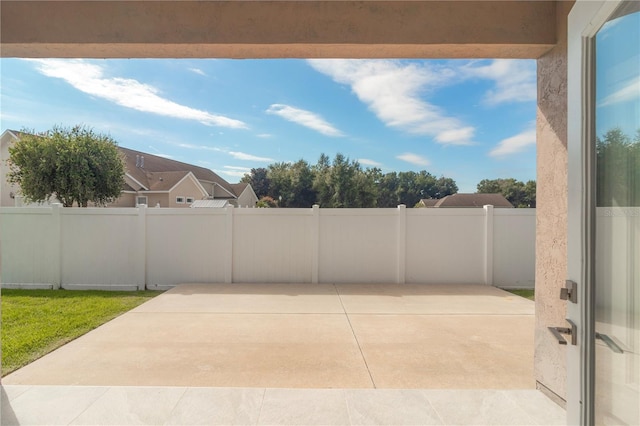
{"x":527,"y":294}
{"x":35,"y":322}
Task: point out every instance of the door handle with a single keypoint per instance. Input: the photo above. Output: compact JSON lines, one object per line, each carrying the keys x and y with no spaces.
{"x":569,"y":331}
{"x":609,"y":342}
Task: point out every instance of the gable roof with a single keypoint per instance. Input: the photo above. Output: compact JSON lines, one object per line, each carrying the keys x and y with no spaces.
{"x":164,"y":181}
{"x":429,"y":202}
{"x":238,"y":188}
{"x":154,"y":164}
{"x":474,"y":200}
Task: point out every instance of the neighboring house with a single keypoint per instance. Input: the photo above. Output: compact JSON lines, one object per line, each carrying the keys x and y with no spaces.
{"x":8,"y":191}
{"x":151,"y":180}
{"x":210,"y":204}
{"x":467,"y":200}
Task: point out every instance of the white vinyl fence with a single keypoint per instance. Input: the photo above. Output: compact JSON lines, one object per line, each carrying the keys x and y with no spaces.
{"x":137,"y":248}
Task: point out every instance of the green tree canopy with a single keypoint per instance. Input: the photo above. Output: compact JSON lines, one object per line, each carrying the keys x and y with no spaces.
{"x":618,"y":169}
{"x":343,"y":182}
{"x":258,"y":180}
{"x":75,"y":165}
{"x":518,"y":193}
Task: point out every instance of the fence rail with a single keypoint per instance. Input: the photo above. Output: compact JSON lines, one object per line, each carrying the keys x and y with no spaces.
{"x":138,"y":248}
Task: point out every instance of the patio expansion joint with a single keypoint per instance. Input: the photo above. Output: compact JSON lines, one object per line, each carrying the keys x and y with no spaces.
{"x":373,"y":383}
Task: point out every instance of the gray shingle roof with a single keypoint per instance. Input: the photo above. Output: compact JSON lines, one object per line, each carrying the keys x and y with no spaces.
{"x":473,"y":200}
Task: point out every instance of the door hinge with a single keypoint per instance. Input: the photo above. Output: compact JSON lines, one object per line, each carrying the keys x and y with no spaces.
{"x":569,"y":291}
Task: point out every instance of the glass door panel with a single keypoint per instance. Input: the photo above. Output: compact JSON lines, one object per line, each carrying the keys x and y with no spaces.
{"x":617,"y":218}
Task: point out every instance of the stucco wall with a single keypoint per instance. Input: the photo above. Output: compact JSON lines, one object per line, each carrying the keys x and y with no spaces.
{"x":551,"y":221}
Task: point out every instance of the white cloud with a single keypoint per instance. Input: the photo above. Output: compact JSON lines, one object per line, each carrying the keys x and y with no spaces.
{"x":515,"y":144}
{"x":89,"y":78}
{"x":304,"y":118}
{"x":515,"y":80}
{"x":630,"y":91}
{"x":245,"y":169}
{"x":264,"y":135}
{"x":234,"y":154}
{"x":233,"y":173}
{"x":249,"y":157}
{"x":367,"y":162}
{"x":203,"y":147}
{"x":197,"y":71}
{"x":394,"y":92}
{"x":414,"y":159}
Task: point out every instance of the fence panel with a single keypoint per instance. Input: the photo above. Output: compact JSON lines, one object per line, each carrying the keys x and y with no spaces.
{"x":99,"y":247}
{"x":185,"y":246}
{"x":29,"y":247}
{"x":445,"y":246}
{"x":514,"y":248}
{"x":272,"y":245}
{"x":358,"y":245}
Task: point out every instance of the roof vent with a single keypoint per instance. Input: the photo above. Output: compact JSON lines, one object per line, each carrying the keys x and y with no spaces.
{"x":142,"y":161}
{"x":137,"y":160}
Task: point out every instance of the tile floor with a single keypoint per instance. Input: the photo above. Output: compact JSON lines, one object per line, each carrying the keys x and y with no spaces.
{"x":96,"y":405}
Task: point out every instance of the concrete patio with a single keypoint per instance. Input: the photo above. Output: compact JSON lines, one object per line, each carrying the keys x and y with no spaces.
{"x":295,"y":354}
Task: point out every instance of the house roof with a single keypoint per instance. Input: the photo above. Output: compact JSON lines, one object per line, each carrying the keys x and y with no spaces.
{"x":238,"y":188}
{"x":209,"y":204}
{"x":164,"y":181}
{"x":429,"y":202}
{"x":473,"y":200}
{"x":155,"y":164}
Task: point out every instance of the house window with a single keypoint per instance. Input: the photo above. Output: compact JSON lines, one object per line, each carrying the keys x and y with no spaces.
{"x":141,"y":200}
{"x":180,"y":200}
{"x":189,"y":200}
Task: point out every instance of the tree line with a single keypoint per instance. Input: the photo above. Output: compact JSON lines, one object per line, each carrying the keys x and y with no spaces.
{"x":618,"y":169}
{"x":343,"y":182}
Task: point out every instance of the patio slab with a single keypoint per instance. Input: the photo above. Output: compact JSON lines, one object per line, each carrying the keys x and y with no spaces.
{"x":305,"y":336}
{"x":247,"y":299}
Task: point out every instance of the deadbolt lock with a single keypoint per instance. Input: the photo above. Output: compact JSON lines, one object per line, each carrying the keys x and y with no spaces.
{"x":569,"y":291}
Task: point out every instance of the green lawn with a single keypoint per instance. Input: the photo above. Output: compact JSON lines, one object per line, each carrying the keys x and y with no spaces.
{"x":527,"y":294}
{"x":35,"y":322}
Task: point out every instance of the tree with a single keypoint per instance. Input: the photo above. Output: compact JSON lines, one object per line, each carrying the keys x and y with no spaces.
{"x":516,"y":192}
{"x":259,"y":181}
{"x":618,"y":169}
{"x":266,"y":202}
{"x":343,"y":183}
{"x":75,"y":165}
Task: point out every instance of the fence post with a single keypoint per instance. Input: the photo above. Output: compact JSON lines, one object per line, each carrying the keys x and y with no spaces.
{"x":488,"y":244}
{"x":141,"y":276}
{"x":56,"y":209}
{"x":228,"y":261}
{"x":402,"y":244}
{"x":315,"y":243}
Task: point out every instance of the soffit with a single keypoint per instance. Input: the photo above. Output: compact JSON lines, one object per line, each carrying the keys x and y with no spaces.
{"x":277,"y":29}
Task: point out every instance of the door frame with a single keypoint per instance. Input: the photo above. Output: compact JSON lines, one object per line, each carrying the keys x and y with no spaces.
{"x":585,"y":19}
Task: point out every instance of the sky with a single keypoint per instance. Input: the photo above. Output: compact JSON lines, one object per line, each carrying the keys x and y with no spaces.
{"x":617,"y":97}
{"x":464,"y":119}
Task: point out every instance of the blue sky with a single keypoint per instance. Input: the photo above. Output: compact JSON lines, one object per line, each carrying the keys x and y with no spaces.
{"x":465,"y":119}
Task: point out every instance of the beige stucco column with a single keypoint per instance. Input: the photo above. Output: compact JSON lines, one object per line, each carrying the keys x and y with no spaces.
{"x":551,"y":212}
